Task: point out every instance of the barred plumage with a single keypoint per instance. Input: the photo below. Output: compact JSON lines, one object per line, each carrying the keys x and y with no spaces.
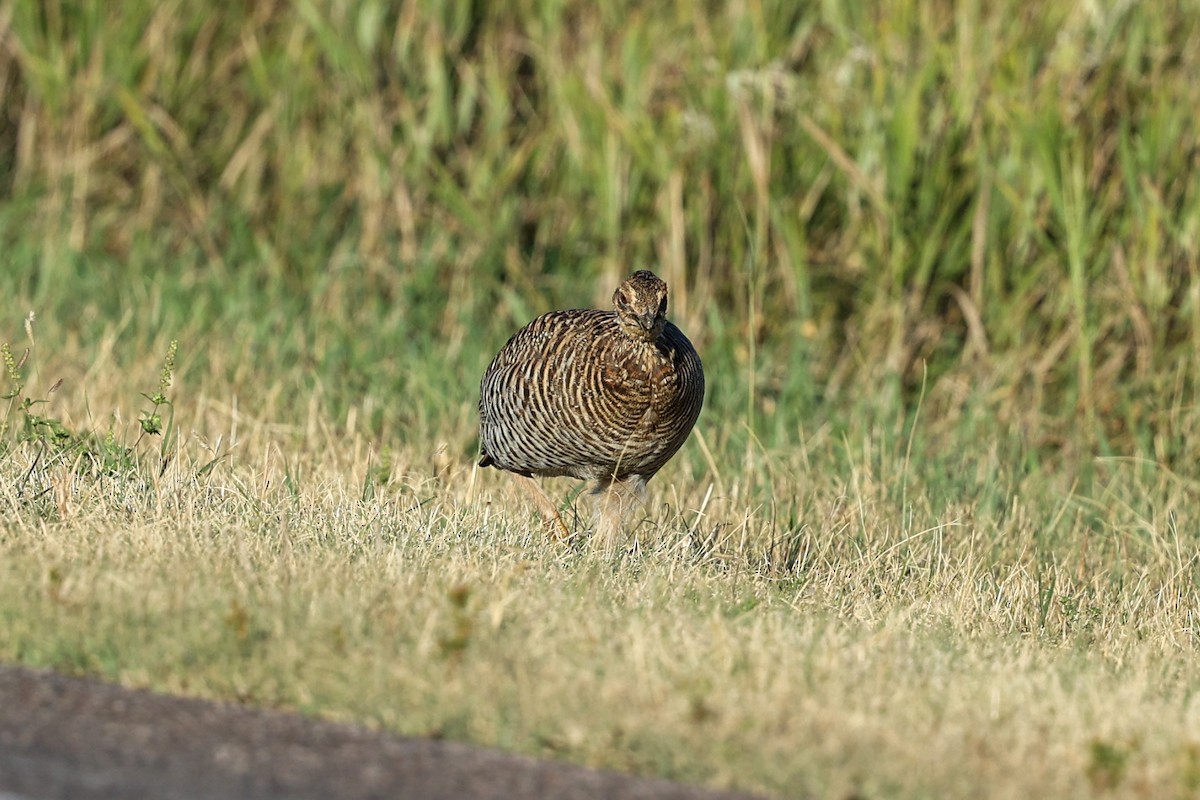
{"x":608,"y":396}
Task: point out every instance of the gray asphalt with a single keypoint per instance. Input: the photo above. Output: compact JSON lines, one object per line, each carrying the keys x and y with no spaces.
{"x":63,"y":737}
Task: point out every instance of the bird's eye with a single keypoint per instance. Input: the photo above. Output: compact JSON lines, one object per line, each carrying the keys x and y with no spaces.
{"x":622,"y":301}
{"x":662,"y":306}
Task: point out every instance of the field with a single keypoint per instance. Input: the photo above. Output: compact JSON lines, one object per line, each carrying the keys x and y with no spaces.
{"x":936,"y":532}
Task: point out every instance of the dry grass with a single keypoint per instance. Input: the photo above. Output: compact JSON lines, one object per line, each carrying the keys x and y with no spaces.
{"x":858,"y":644}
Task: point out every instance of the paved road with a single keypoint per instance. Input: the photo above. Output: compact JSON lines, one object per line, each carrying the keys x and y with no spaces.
{"x":81,"y":739}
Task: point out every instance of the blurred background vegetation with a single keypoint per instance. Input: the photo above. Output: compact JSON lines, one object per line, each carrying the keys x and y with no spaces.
{"x":985,"y":211}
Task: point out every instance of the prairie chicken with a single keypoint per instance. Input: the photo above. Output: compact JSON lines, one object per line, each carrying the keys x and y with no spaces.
{"x":607,"y":396}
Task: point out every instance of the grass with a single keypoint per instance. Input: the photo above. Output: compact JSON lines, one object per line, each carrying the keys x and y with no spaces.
{"x":935,"y":534}
{"x":835,"y":639}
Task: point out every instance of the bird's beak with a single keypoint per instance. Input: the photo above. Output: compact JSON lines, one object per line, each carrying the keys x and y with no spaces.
{"x":647,"y":320}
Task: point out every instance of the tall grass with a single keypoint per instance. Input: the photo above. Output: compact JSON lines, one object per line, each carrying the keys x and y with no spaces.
{"x":1002,"y":195}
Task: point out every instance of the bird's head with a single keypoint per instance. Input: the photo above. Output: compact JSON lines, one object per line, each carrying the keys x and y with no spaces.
{"x":641,"y":304}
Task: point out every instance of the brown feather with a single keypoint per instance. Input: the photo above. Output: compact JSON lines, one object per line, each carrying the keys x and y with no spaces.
{"x":600,"y":395}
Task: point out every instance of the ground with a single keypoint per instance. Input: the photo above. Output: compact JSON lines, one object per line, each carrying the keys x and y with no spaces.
{"x":63,"y":737}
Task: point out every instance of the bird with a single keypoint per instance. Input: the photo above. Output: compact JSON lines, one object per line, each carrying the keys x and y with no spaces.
{"x":603,"y":396}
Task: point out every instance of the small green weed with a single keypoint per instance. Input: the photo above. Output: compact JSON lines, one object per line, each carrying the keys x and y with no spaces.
{"x":53,"y":444}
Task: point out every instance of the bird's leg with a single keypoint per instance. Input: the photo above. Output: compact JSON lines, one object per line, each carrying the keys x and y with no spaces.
{"x":615,"y":499}
{"x":554,"y":524}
